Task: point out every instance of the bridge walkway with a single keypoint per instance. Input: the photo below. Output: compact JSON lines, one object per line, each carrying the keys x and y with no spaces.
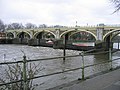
{"x":107,"y":81}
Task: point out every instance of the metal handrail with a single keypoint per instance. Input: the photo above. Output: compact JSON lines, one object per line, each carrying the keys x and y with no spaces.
{"x":102,"y":62}
{"x":42,"y":59}
{"x":3,"y":63}
{"x":55,"y":58}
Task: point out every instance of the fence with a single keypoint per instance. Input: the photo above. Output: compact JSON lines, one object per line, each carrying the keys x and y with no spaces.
{"x":82,"y":54}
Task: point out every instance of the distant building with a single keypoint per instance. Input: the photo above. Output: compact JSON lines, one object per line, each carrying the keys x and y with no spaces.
{"x":2,"y":35}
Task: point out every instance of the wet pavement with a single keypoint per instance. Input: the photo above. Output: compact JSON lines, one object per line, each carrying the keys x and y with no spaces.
{"x":108,"y":81}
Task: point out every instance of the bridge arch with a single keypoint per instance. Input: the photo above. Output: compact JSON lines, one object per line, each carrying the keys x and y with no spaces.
{"x":37,"y":33}
{"x":10,"y":35}
{"x":28,"y":35}
{"x":114,"y":35}
{"x":67,"y":31}
{"x":79,"y":30}
{"x":109,"y":33}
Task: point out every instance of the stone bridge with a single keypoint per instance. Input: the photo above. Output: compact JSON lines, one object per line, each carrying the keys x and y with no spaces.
{"x":99,"y":33}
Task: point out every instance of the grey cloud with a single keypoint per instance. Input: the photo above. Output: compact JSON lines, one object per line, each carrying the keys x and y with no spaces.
{"x":55,"y":1}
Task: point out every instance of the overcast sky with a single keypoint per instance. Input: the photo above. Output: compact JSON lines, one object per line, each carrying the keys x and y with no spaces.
{"x":58,"y":12}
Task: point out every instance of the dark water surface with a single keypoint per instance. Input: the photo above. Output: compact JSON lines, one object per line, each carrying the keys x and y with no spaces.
{"x":16,"y":52}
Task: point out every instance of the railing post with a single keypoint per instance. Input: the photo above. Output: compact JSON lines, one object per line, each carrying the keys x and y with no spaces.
{"x":24,"y":73}
{"x":118,"y":44}
{"x":82,"y":54}
{"x":110,"y":57}
{"x":64,"y":49}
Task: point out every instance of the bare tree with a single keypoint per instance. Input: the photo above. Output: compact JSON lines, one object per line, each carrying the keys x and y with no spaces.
{"x":117,"y":5}
{"x":58,"y":26}
{"x":30,"y":26}
{"x":15,"y":26}
{"x":15,"y":73}
{"x":42,"y":26}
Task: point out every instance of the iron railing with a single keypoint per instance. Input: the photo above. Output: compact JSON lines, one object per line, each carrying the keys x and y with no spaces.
{"x":82,"y":54}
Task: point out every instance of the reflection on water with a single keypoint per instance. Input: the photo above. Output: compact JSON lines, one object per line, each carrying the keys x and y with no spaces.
{"x":15,"y":52}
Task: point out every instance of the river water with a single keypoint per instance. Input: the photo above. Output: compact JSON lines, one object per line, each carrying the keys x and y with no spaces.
{"x":16,"y":52}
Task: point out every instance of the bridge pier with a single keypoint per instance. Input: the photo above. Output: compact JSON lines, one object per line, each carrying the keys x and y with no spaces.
{"x":20,"y":41}
{"x":108,"y":42}
{"x":100,"y":43}
{"x":39,"y":42}
{"x":16,"y":41}
{"x":58,"y":44}
{"x":103,"y":45}
{"x":33,"y":42}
